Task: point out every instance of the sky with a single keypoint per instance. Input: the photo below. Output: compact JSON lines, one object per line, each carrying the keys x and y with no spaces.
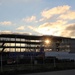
{"x":38,"y":17}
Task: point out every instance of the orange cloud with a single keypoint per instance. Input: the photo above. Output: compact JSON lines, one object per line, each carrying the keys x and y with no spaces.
{"x":58,"y":28}
{"x":6,"y":32}
{"x":21,"y":28}
{"x":70,"y":15}
{"x":54,"y":11}
{"x":62,"y":15}
{"x":50,"y":28}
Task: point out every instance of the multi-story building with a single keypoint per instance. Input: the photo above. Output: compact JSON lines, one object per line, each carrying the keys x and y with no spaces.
{"x":31,"y":43}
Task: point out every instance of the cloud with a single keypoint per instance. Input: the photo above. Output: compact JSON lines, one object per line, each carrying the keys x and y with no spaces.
{"x":5,"y":32}
{"x":21,"y":28}
{"x":6,"y":23}
{"x":10,"y":32}
{"x":50,"y":28}
{"x":69,"y":30}
{"x":29,"y":19}
{"x":70,"y":27}
{"x":58,"y":28}
{"x":59,"y":12}
{"x":42,"y":19}
{"x":54,"y":11}
{"x":70,"y":15}
{"x":23,"y":33}
{"x":61,"y":24}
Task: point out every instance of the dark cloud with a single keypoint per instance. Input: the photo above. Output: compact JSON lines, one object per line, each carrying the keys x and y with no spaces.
{"x":70,"y":27}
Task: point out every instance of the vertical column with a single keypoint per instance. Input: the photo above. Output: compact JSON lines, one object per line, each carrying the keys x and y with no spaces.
{"x":25,"y":46}
{"x":10,"y":45}
{"x":62,"y":45}
{"x":70,"y":45}
{"x":20,"y":44}
{"x":15,"y":44}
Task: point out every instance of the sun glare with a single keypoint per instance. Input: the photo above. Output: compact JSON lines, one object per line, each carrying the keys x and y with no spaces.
{"x":47,"y":41}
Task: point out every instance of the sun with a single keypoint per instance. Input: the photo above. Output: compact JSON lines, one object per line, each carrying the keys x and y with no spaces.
{"x":47,"y":41}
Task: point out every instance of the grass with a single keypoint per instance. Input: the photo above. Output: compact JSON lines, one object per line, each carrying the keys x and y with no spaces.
{"x":31,"y":68}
